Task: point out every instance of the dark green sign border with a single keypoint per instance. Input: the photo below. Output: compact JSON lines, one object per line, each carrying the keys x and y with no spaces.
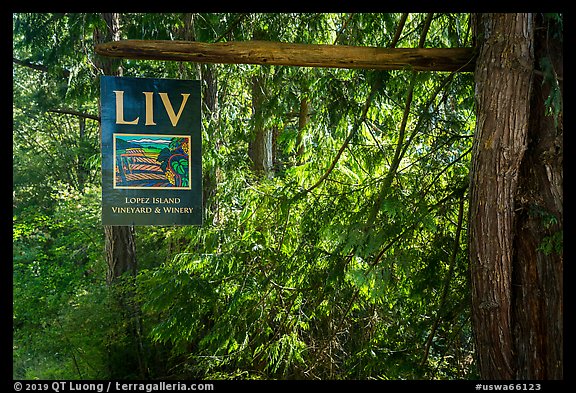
{"x":151,"y":107}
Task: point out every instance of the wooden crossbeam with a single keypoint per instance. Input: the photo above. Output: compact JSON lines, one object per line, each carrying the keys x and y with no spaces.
{"x":303,"y":55}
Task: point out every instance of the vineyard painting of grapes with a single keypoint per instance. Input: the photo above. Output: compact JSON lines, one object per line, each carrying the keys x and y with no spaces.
{"x":145,"y":161}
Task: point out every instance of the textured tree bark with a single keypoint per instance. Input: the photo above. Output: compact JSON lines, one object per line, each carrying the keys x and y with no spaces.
{"x":503,"y":79}
{"x":516,"y":289}
{"x":260,"y":146}
{"x":120,"y":250}
{"x":302,"y":55}
{"x":538,"y":263}
{"x":120,"y":245}
{"x":302,"y":121}
{"x":211,"y":178}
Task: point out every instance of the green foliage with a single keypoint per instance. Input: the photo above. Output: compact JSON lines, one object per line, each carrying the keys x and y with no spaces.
{"x":316,"y":271}
{"x":553,"y":102}
{"x":552,"y":244}
{"x":553,"y":238}
{"x":57,"y":310}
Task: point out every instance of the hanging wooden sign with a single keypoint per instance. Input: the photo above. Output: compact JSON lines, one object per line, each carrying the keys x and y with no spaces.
{"x":151,"y":151}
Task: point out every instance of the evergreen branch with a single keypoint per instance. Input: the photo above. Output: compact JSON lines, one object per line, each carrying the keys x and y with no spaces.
{"x":367,"y":104}
{"x":397,"y":155}
{"x":232,"y":26}
{"x":447,"y":280}
{"x":344,"y":26}
{"x":456,"y":192}
{"x":433,"y":96}
{"x":425,"y":29}
{"x":399,"y":30}
{"x":38,"y":67}
{"x":400,"y":148}
{"x":66,"y":111}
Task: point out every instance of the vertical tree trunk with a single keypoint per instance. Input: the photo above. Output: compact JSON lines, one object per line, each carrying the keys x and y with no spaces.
{"x":120,"y":252}
{"x":503,"y":246}
{"x":260,"y":146}
{"x":82,"y":174}
{"x":302,"y":121}
{"x":503,"y":79}
{"x":120,"y":245}
{"x":212,"y":177}
{"x":538,"y":263}
{"x":120,"y":249}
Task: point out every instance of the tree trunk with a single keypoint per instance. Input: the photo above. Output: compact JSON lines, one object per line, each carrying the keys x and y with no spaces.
{"x":120,"y":246}
{"x":212,"y":176}
{"x":538,"y":263}
{"x":260,"y":146}
{"x":509,"y":276}
{"x":302,"y":121}
{"x":82,"y":174}
{"x":120,"y":252}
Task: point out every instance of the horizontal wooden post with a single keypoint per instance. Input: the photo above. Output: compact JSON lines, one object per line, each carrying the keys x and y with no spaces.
{"x":302,"y":55}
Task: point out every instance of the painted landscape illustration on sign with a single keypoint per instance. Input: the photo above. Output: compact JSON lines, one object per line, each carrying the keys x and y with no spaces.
{"x":151,"y":161}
